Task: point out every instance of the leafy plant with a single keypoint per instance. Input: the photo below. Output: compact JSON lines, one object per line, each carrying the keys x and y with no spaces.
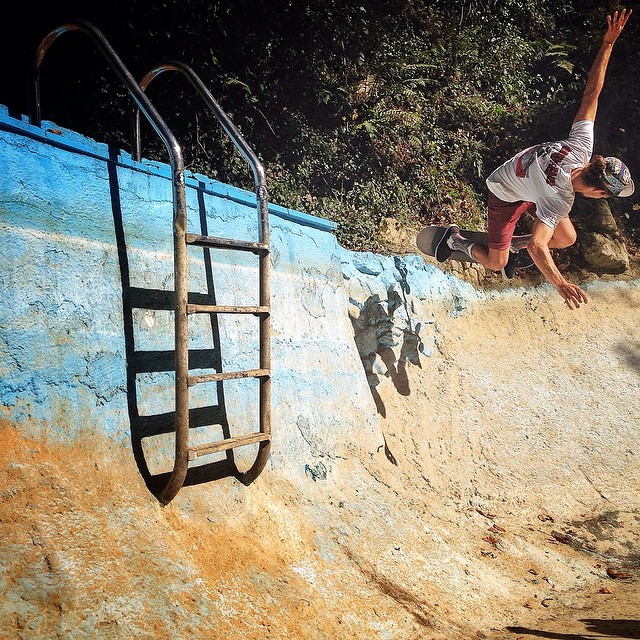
{"x":365,"y":110}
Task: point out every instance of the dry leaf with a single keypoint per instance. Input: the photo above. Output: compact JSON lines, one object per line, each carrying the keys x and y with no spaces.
{"x":497,"y":529}
{"x":618,"y":575}
{"x":605,"y":590}
{"x":560,"y":538}
{"x":545,"y":518}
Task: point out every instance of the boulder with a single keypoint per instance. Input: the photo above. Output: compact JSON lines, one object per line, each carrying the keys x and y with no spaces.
{"x":591,"y":214}
{"x":603,"y":253}
{"x":397,"y":238}
{"x":600,"y":243}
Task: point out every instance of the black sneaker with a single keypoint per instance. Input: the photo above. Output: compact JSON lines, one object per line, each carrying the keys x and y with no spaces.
{"x":517,"y":260}
{"x":443,"y":250}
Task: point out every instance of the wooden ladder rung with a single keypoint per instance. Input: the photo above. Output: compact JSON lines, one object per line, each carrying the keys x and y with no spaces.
{"x":229,"y":443}
{"x":226,"y":243}
{"x":233,"y":375}
{"x":214,"y":308}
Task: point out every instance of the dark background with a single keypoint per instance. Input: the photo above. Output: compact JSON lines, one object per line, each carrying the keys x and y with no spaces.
{"x":290,"y":74}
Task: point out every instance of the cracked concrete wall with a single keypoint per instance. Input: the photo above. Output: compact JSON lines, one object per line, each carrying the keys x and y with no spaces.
{"x":405,"y":425}
{"x":87,"y":232}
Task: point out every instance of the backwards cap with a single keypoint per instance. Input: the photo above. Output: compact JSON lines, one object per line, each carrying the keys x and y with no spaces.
{"x":618,"y":177}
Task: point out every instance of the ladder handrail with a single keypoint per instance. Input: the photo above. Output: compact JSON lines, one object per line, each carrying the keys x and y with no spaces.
{"x":227,"y":124}
{"x":264,"y":258}
{"x":181,"y":462}
{"x":122,"y":72}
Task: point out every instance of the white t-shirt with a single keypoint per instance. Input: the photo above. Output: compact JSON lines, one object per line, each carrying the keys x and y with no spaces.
{"x":542,"y":174}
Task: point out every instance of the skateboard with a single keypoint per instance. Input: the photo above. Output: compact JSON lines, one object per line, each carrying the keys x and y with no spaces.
{"x":429,"y":237}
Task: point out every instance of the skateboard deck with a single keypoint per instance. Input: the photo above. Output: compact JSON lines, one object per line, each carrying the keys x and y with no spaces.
{"x":429,"y":237}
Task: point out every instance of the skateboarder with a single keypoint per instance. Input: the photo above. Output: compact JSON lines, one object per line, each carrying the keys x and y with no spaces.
{"x":543,"y":181}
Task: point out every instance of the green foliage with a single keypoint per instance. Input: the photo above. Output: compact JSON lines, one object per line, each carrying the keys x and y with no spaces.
{"x":411,"y":113}
{"x":369,"y":110}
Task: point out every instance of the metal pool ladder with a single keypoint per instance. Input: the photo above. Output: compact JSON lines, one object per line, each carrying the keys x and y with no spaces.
{"x":184,"y":453}
{"x":182,"y":239}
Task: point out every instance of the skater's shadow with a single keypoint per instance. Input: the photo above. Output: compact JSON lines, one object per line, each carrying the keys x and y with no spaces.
{"x":387,"y":339}
{"x":629,"y":629}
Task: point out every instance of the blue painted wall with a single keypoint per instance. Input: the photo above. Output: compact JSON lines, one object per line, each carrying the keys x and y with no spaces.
{"x":87,"y":236}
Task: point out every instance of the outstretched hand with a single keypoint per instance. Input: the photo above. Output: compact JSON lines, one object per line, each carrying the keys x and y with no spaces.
{"x":573,"y":295}
{"x":615,"y":24}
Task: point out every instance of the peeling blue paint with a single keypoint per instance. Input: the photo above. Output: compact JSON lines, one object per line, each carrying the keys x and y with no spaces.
{"x":87,"y":242}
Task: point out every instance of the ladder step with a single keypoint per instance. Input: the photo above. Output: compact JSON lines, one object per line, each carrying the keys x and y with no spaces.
{"x":229,"y":443}
{"x":213,"y":308}
{"x":226,"y":243}
{"x":233,"y":375}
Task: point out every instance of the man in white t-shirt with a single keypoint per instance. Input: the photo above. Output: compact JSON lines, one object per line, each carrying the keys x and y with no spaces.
{"x":543,"y":181}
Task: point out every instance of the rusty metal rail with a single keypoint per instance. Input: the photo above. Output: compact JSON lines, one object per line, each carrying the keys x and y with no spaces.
{"x":262,"y":310}
{"x":179,"y":201}
{"x":183,"y":452}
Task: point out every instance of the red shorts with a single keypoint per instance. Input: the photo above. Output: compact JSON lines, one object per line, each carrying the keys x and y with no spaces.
{"x":503,"y":217}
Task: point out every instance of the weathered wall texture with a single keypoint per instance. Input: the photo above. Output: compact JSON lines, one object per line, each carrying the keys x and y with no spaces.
{"x":87,"y":240}
{"x":447,"y":462}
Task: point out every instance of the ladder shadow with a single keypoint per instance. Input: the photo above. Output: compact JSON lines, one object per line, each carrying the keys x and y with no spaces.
{"x":137,"y":362}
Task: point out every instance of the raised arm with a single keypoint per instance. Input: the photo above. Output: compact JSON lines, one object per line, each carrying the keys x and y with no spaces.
{"x":595,"y":79}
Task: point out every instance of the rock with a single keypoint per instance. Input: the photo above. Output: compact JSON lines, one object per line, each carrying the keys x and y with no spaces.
{"x":368,"y":263}
{"x":367,"y":340}
{"x":603,"y":253}
{"x":378,"y":367}
{"x":614,"y":574}
{"x":470,"y":271}
{"x":317,"y":472}
{"x":600,"y":243}
{"x":593,"y":215}
{"x":397,"y":238}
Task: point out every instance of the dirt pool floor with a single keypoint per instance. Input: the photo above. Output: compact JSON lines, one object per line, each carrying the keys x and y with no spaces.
{"x":504,"y":504}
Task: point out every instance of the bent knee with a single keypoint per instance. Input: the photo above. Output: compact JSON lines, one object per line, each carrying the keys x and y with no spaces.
{"x":498,"y":262}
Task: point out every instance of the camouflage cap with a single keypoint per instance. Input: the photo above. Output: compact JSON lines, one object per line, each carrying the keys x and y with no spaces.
{"x":618,"y":178}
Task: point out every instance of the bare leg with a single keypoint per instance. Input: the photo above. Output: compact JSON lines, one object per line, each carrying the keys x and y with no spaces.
{"x":564,"y":236}
{"x":494,"y":259}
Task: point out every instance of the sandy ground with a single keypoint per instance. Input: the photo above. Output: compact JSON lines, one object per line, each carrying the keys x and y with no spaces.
{"x":505,"y":505}
{"x":543,"y":403}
